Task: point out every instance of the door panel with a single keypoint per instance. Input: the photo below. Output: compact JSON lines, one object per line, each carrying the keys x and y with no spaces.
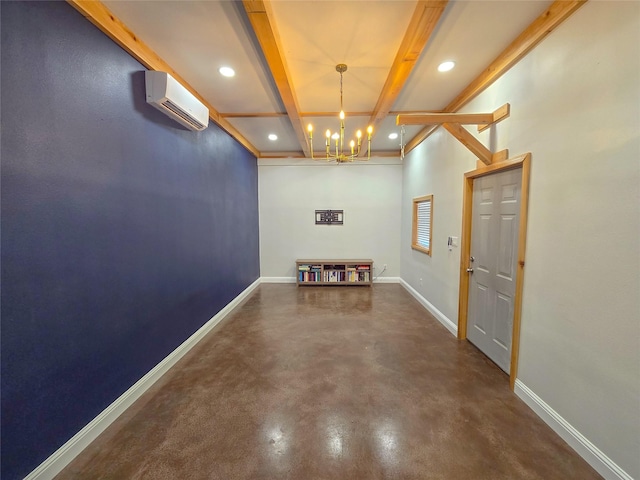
{"x":503,"y":321}
{"x":494,"y":240}
{"x":510,"y":193}
{"x":487,"y":195}
{"x":482,"y":301}
{"x":506,"y":247}
{"x":484,"y":239}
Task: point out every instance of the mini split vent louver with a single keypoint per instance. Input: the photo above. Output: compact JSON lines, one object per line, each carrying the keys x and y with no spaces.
{"x":175,"y":101}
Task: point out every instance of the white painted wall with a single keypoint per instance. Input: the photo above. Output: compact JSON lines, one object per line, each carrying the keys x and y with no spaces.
{"x":435,"y":167}
{"x":291,"y":191}
{"x":575,"y":103}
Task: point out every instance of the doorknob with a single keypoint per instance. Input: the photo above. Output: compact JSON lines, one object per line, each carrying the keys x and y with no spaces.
{"x":472,"y":259}
{"x":469,"y":270}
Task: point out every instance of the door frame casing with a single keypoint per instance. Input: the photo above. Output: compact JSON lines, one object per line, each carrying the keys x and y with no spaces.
{"x":524,"y":162}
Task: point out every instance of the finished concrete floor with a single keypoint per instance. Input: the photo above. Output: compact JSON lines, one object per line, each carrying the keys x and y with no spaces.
{"x":330,"y":383}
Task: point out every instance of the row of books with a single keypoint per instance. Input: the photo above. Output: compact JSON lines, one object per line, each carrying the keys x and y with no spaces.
{"x":309,"y":276}
{"x":354,"y":276}
{"x":308,"y":268}
{"x":342,"y":276}
{"x":336,"y":267}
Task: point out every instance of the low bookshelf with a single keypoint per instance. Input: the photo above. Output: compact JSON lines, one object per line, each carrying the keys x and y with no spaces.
{"x":335,"y":272}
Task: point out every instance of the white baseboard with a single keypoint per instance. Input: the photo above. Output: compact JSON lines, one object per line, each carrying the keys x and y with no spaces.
{"x":386,"y":280}
{"x":293,"y":280}
{"x":277,"y":279}
{"x":441,"y":317}
{"x":67,"y":452}
{"x":581,"y":444}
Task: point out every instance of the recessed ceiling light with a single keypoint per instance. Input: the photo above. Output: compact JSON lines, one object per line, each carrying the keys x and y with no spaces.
{"x":393,"y":136}
{"x":273,"y":137}
{"x":227,"y":71}
{"x":446,"y":66}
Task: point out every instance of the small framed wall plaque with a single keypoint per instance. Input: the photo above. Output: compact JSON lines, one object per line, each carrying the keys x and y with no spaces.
{"x":329,"y":217}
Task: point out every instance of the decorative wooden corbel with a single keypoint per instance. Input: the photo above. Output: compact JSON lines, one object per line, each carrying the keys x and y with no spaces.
{"x":452,"y":122}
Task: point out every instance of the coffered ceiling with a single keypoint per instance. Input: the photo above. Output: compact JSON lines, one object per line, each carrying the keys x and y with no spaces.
{"x":284,"y":53}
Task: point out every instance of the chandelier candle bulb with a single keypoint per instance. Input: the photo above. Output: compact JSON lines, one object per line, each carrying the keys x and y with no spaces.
{"x":310,"y":129}
{"x":326,"y":143}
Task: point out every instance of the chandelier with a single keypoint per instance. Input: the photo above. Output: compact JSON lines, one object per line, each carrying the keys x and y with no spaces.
{"x":339,"y":154}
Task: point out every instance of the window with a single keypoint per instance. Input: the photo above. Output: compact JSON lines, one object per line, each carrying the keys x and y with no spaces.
{"x":422,"y":223}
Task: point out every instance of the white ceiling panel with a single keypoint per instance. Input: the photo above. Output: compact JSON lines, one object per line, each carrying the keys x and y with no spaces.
{"x":318,"y":35}
{"x":257,"y":130}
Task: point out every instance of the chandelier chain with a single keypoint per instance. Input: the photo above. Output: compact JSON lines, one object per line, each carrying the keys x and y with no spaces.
{"x":341,"y":108}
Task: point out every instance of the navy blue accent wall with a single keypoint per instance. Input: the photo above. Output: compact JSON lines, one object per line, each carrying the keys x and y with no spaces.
{"x":122,"y":232}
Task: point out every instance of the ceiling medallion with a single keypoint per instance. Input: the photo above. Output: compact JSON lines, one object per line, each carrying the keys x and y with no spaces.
{"x":339,"y":154}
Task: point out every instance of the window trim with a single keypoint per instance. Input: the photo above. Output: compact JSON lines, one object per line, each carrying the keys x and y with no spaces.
{"x":414,"y":227}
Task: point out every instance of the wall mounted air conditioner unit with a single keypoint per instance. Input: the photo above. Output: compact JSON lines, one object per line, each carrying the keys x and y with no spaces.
{"x":171,"y":98}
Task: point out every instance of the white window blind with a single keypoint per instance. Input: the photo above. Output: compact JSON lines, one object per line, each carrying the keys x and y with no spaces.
{"x":424,"y":224}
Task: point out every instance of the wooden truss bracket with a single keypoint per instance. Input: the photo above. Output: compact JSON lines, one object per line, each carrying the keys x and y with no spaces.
{"x":474,"y":145}
{"x":452,"y":122}
{"x":500,"y":114}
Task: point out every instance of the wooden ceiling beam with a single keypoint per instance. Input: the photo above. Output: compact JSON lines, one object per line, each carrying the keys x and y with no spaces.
{"x":483,"y":120}
{"x":439,"y":118}
{"x":261,"y":17}
{"x":423,"y":22}
{"x":110,"y":25}
{"x":274,"y":155}
{"x":317,"y":114}
{"x":254,"y":115}
{"x":531,"y":36}
{"x":279,"y":155}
